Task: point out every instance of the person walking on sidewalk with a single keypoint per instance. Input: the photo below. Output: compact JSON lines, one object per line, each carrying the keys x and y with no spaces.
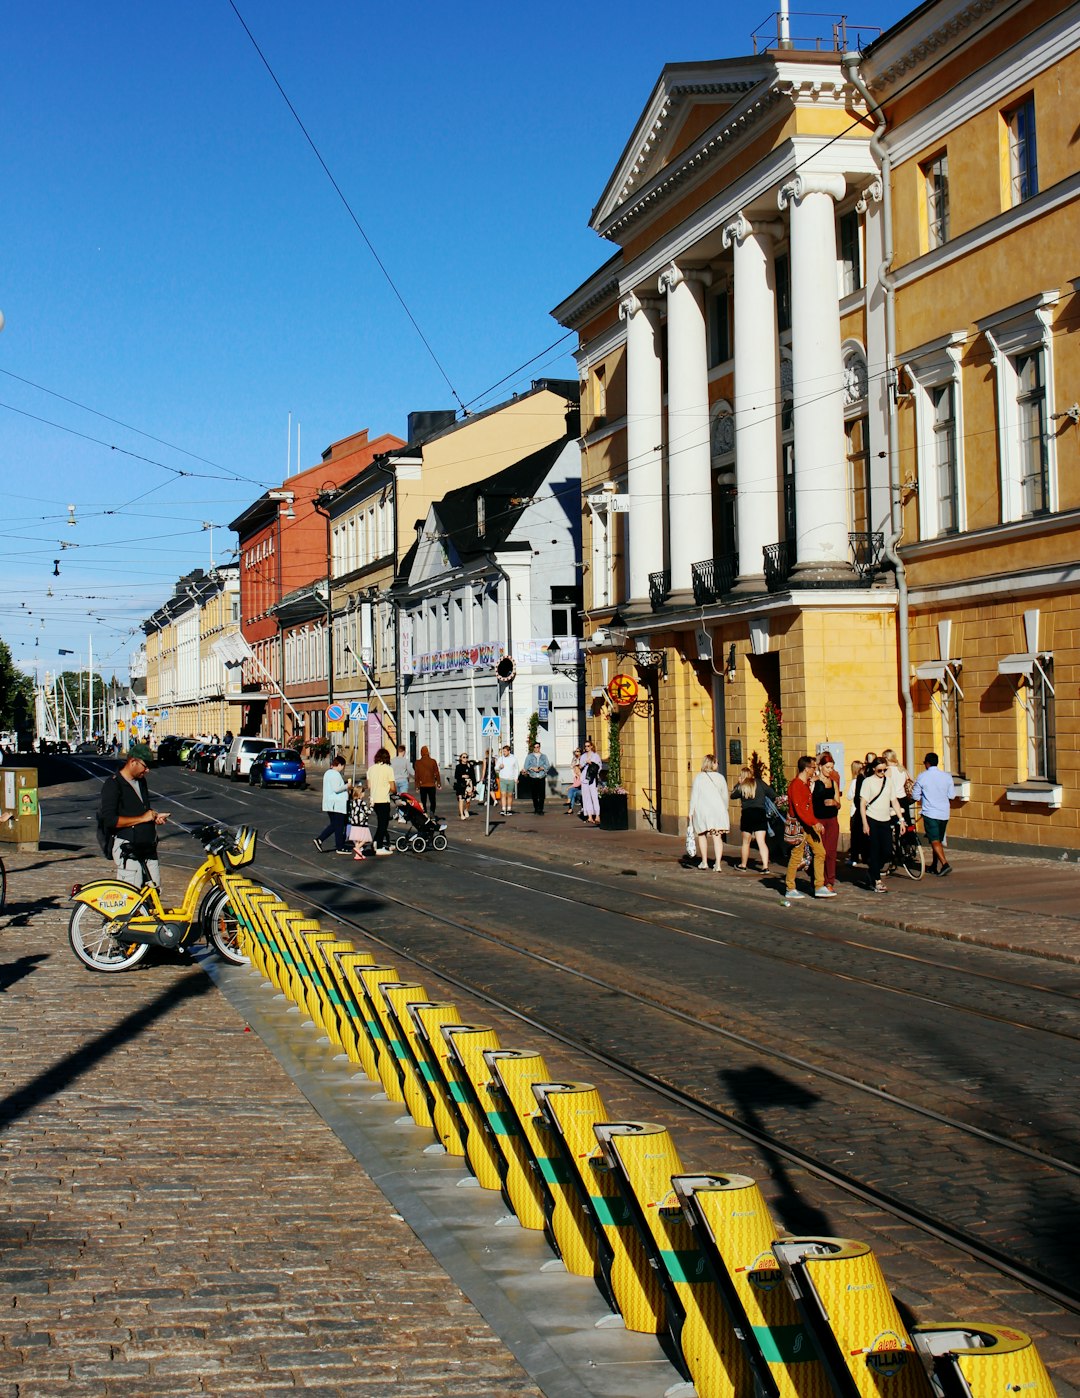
{"x":335,"y":804}
{"x":381,"y":786}
{"x":403,"y":773}
{"x":934,"y":789}
{"x":428,"y":779}
{"x":573,"y":791}
{"x":879,"y":804}
{"x":709,"y":817}
{"x":825,"y":794}
{"x":753,"y":822}
{"x":808,"y":831}
{"x":856,"y":838}
{"x":536,"y":768}
{"x":464,"y":784}
{"x":506,"y":766}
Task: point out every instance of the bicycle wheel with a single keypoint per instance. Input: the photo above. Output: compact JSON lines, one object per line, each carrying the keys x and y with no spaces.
{"x":222,"y":928}
{"x":92,"y":941}
{"x":912,"y":859}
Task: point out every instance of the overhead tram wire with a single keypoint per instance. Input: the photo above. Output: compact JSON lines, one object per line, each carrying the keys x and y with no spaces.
{"x":349,"y":209}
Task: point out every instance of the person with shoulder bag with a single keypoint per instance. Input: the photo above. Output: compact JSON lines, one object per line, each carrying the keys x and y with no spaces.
{"x":878,"y":804}
{"x":804,"y":831}
{"x":754,"y":820}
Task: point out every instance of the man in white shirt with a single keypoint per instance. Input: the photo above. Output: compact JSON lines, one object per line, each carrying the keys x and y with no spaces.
{"x":934,"y":789}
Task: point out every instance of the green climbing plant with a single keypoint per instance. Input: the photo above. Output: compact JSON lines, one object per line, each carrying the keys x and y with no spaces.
{"x":773,"y":720}
{"x":534,"y":728}
{"x":614,"y":758}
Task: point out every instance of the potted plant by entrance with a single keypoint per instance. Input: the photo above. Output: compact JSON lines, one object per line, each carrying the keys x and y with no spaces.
{"x":614,"y":814}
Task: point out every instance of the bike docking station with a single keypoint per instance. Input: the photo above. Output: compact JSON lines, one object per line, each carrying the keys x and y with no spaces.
{"x":695,"y":1262}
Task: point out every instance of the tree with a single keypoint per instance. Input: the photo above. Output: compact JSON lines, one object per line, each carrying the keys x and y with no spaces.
{"x":16,"y":694}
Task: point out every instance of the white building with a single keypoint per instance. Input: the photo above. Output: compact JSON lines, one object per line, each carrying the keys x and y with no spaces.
{"x":495,"y":572}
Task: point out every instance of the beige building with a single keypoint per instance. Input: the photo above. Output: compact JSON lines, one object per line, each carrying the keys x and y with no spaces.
{"x":377,"y":518}
{"x":827,"y":388}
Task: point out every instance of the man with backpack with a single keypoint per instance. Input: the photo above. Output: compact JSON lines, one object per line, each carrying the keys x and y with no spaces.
{"x":127,"y":824}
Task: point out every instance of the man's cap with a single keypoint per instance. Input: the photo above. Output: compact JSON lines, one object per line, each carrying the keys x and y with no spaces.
{"x":141,"y":751}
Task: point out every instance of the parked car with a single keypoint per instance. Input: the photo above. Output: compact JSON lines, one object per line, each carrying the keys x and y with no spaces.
{"x":240,"y":754}
{"x":168,"y":751}
{"x":206,"y":756}
{"x":277,"y":767}
{"x":89,"y":746}
{"x":192,"y":760}
{"x":220,"y":765}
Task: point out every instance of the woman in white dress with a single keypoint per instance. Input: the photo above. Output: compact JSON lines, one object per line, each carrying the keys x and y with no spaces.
{"x":709,"y":811}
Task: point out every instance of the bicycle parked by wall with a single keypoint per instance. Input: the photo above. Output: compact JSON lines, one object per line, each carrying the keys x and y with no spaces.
{"x":115,"y":924}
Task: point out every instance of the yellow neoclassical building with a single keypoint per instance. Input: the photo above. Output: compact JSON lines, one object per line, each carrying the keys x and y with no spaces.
{"x":827,"y":409}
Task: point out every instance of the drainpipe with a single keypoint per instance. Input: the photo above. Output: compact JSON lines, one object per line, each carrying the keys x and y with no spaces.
{"x":880,"y":151}
{"x":398,"y":724}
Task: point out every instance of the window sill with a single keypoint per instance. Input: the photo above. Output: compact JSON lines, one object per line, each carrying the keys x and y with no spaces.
{"x":962,"y":787}
{"x":1034,"y":793}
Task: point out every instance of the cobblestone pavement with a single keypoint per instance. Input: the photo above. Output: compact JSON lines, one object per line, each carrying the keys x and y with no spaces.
{"x":175,"y":1218}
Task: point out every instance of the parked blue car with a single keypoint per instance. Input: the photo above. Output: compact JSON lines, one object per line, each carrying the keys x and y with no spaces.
{"x":277,"y":767}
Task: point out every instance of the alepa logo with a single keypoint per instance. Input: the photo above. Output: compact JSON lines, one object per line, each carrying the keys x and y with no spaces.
{"x":764,"y":1272}
{"x":112,"y":902}
{"x":886,"y":1354}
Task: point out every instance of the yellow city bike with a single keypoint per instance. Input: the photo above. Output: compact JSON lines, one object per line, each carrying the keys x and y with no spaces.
{"x":115,"y":924}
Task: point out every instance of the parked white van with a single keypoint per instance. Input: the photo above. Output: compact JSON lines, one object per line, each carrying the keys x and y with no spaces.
{"x":242,"y":750}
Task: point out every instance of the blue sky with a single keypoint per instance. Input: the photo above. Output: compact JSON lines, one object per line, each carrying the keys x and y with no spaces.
{"x":174,"y":258}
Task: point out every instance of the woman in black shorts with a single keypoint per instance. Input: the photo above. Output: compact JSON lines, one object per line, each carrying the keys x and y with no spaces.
{"x":753,"y":822}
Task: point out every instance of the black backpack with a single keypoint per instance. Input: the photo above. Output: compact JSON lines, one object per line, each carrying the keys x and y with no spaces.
{"x":104,"y":833}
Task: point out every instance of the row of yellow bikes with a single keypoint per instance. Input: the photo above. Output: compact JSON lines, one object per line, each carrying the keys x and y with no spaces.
{"x":114,"y":924}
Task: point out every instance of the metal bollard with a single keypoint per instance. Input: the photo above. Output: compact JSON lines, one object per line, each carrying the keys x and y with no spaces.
{"x":568,"y":1226}
{"x":447,"y":1122}
{"x":734,"y":1230}
{"x":572,"y":1111}
{"x":643,"y":1158}
{"x":847,"y":1307}
{"x":465,"y":1065}
{"x":397,"y":996}
{"x":981,"y":1361}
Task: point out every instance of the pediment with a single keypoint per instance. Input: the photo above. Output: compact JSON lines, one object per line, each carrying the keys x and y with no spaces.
{"x":689,"y":99}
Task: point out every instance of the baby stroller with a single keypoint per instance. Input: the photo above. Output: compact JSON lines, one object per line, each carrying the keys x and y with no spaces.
{"x":426,"y":830}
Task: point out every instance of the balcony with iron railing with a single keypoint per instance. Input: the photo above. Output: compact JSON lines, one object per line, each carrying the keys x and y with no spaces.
{"x":867,"y":548}
{"x":713,"y":578}
{"x":659,"y":587}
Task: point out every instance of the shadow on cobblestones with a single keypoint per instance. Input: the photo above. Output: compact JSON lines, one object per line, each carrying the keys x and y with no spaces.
{"x":753,"y":1092}
{"x":73,"y":1065}
{"x":15,"y":970}
{"x":22,"y":914}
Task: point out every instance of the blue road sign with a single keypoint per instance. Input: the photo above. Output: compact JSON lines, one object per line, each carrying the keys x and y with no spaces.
{"x":358,"y":710}
{"x":491,"y":728}
{"x":335,"y":712}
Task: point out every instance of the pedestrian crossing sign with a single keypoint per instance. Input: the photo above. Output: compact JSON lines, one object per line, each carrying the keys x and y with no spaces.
{"x":491,"y":727}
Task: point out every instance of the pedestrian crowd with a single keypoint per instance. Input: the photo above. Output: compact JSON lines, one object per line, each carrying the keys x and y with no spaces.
{"x":881,"y":796}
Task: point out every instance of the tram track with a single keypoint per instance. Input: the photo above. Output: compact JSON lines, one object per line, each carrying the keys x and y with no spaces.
{"x":904,"y":1210}
{"x":296,"y":884}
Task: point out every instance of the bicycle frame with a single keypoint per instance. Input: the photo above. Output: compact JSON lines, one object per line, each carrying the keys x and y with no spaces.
{"x":140,"y":914}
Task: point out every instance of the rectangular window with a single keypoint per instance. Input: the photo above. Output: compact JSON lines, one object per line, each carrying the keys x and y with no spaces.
{"x":1023,"y":156}
{"x":858,"y":455}
{"x":935,"y":175}
{"x":719,"y":328}
{"x":565,"y":605}
{"x":1041,"y":723}
{"x":943,"y":401}
{"x":851,"y":276}
{"x":782,"y":267}
{"x":1031,"y":416}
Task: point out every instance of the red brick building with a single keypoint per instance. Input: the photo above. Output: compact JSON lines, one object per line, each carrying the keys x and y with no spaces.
{"x":282,"y":544}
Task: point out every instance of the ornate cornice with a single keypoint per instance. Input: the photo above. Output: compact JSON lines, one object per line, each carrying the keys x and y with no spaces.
{"x":929,"y":44}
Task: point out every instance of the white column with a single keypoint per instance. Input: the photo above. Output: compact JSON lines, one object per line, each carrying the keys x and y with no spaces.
{"x":689,"y":476}
{"x":757,"y":394}
{"x":644,"y":467}
{"x":821,"y":505}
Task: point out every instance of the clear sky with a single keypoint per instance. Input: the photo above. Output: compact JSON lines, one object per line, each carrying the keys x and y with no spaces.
{"x":175,"y":259}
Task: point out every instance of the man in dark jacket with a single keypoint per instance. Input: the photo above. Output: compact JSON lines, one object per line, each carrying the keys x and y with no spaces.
{"x":130,"y":822}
